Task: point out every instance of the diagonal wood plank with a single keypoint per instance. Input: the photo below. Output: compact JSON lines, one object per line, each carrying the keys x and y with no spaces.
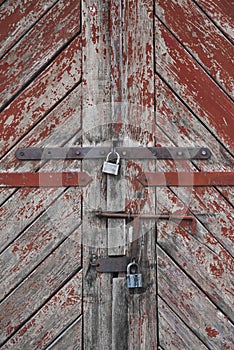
{"x":198,"y":91}
{"x":39,"y":240}
{"x":70,"y":339}
{"x":173,"y":333}
{"x":200,"y":37}
{"x":41,"y":96}
{"x":222,"y":13}
{"x":17,"y":18}
{"x":54,"y":317}
{"x":43,"y":282}
{"x":192,"y":305}
{"x":38,"y":47}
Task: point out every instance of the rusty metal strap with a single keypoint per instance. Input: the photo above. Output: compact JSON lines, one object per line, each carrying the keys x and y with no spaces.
{"x":59,"y":179}
{"x":187,"y":179}
{"x":175,"y":153}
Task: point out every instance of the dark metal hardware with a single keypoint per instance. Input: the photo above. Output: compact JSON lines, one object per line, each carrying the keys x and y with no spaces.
{"x":187,"y":179}
{"x":130,"y":216}
{"x":60,"y":179}
{"x":175,"y":153}
{"x":111,"y":264}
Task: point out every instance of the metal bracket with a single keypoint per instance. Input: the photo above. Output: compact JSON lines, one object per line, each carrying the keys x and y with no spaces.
{"x":175,"y":153}
{"x":187,"y":179}
{"x":129,"y":216}
{"x":111,"y":264}
{"x":60,"y":179}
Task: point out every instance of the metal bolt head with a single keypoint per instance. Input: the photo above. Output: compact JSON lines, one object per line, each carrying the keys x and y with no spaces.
{"x":180,"y":153}
{"x":203,"y":152}
{"x":124,"y":153}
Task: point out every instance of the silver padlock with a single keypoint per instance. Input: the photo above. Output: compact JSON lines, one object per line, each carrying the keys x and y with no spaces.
{"x":109,"y":167}
{"x":134,"y":278}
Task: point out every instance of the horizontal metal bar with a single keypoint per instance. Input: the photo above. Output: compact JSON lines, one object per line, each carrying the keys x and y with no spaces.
{"x":173,"y":217}
{"x":187,"y":179}
{"x":60,"y":179}
{"x":101,"y":152}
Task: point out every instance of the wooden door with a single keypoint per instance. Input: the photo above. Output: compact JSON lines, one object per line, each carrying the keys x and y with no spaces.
{"x":133,"y":74}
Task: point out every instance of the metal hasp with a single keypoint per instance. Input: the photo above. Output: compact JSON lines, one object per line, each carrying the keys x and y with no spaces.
{"x":111,"y":264}
{"x":60,"y":179}
{"x":175,"y":153}
{"x":187,"y":179}
{"x":131,"y":216}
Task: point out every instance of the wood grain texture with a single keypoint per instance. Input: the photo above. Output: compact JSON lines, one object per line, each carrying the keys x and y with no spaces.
{"x":17,"y":18}
{"x":137,"y":117}
{"x":200,"y":37}
{"x":97,"y":288}
{"x":198,"y":91}
{"x":192,"y":306}
{"x":40,"y":285}
{"x":173,"y":333}
{"x":70,"y":339}
{"x":221,"y":12}
{"x":41,"y":96}
{"x":50,"y":321}
{"x":22,"y":209}
{"x":39,"y":240}
{"x":120,"y":314}
{"x":38,"y":47}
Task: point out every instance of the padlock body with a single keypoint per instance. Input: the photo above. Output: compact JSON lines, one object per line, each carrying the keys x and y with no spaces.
{"x":110,"y":168}
{"x":134,"y":280}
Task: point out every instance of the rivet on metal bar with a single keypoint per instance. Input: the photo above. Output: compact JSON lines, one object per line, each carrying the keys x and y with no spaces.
{"x":174,"y":153}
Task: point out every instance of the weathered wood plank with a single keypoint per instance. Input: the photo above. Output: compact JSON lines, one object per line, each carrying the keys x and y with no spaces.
{"x":21,"y":210}
{"x":115,"y":184}
{"x":214,"y":263}
{"x":97,"y":288}
{"x":174,"y":118}
{"x":119,"y":314}
{"x":71,"y":339}
{"x":213,"y":273}
{"x":173,"y":333}
{"x":17,"y":17}
{"x":54,"y":317}
{"x":200,"y":37}
{"x":192,"y":305}
{"x":38,"y":46}
{"x":5,"y":193}
{"x":39,"y":240}
{"x":40,"y":97}
{"x":211,"y":105}
{"x":136,"y":93}
{"x":182,"y":126}
{"x":46,"y":279}
{"x":222,"y":13}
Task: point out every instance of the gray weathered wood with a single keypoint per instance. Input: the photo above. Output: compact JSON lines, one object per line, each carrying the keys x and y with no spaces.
{"x":120,"y":322}
{"x":96,"y":116}
{"x":137,"y":96}
{"x":39,"y":240}
{"x":70,"y":339}
{"x":51,"y":320}
{"x":36,"y":290}
{"x":173,"y":333}
{"x":195,"y":309}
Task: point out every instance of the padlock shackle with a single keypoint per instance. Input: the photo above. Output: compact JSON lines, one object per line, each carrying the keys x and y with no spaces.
{"x":118,"y":156}
{"x":130,"y":266}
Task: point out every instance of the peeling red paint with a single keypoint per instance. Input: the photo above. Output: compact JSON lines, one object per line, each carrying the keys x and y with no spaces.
{"x":211,"y":332}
